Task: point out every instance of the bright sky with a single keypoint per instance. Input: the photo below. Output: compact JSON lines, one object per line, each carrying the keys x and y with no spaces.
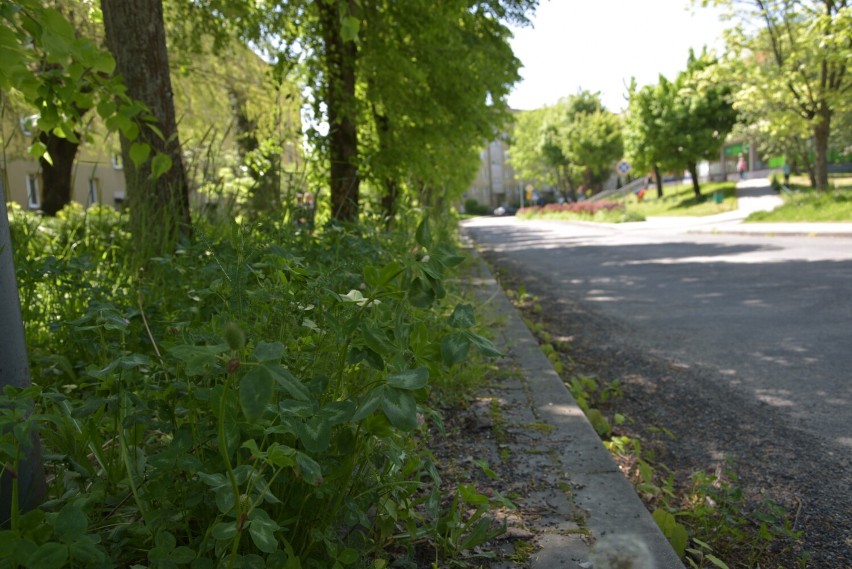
{"x":599,"y":45}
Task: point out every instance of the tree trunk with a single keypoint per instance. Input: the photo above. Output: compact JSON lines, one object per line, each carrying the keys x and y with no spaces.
{"x":15,"y":371}
{"x":659,"y":180}
{"x":389,"y":201}
{"x":159,"y":208}
{"x":340,"y":58}
{"x":822,"y":130}
{"x":693,"y":172}
{"x":57,"y":177}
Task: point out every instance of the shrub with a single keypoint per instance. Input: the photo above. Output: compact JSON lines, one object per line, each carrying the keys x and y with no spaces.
{"x":253,"y":399}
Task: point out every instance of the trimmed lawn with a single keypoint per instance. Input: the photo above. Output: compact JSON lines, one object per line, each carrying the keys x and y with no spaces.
{"x":679,"y":200}
{"x":803,"y":204}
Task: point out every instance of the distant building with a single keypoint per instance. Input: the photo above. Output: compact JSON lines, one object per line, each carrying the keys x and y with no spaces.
{"x":495,"y":183}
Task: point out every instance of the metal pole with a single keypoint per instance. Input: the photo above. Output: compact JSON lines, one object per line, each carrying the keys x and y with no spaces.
{"x":15,"y":371}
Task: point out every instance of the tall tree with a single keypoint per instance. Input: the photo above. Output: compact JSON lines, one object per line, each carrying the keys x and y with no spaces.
{"x":338,"y":26}
{"x":590,"y":139}
{"x":673,"y":125}
{"x":798,"y":58}
{"x":700,"y":116}
{"x":436,"y":80}
{"x":157,"y":191}
{"x":644,"y":130}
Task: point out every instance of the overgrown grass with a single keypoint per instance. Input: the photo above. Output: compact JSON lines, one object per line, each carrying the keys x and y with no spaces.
{"x":258,"y":398}
{"x":803,"y":204}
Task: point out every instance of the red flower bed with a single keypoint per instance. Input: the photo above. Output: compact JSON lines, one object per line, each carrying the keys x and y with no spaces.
{"x":587,"y":208}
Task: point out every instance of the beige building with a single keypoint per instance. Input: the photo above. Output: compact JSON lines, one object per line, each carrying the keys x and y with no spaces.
{"x":495,"y":183}
{"x":94,"y":181}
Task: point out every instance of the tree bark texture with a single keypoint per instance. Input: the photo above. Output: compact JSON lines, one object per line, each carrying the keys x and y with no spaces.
{"x":15,"y":371}
{"x":135,"y":34}
{"x":693,"y":172}
{"x":822,"y":130}
{"x":659,"y":180}
{"x":57,"y":177}
{"x":340,"y":59}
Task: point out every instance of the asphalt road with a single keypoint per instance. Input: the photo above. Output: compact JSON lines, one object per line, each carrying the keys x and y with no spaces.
{"x":767,"y":320}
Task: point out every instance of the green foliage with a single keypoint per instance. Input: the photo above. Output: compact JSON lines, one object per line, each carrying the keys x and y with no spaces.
{"x":256,"y":397}
{"x":572,"y":143}
{"x":788,"y":65}
{"x":473,"y":207}
{"x":62,"y":76}
{"x":675,"y":124}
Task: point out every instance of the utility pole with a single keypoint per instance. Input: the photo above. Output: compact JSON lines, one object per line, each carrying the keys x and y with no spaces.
{"x":15,"y":371}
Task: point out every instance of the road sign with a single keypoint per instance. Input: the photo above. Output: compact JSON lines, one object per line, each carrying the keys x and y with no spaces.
{"x":623,"y":167}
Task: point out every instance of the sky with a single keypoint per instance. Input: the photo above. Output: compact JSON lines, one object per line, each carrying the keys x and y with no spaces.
{"x":599,"y":45}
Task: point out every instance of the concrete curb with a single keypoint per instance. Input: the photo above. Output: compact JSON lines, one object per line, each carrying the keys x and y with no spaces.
{"x":613,"y":509}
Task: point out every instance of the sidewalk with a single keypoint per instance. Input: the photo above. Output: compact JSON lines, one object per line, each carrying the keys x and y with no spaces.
{"x":572,"y":489}
{"x":752,"y":195}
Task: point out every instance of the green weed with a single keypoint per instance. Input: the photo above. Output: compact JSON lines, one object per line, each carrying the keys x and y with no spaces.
{"x":255,"y":398}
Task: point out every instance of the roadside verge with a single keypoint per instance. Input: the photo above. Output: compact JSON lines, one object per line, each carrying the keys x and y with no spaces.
{"x":601,"y":503}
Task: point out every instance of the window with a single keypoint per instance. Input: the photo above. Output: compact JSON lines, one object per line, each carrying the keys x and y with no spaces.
{"x":33,"y":198}
{"x":93,"y":192}
{"x":28,"y":124}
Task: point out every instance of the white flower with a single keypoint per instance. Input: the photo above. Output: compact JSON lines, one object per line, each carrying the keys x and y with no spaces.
{"x":358,"y":298}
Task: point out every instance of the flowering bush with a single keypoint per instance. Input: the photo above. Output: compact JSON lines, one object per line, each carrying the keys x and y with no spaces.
{"x":581,"y":208}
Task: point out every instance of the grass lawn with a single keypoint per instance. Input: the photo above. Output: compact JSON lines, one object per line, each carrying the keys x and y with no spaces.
{"x":803,"y":204}
{"x":679,"y":200}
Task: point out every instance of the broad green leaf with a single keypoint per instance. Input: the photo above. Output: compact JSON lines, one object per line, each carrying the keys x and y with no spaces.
{"x":309,"y":468}
{"x":314,"y":433}
{"x":389,"y":272}
{"x":400,"y":408}
{"x":161,"y":164}
{"x":106,"y":108}
{"x":71,"y":523}
{"x":348,"y":556}
{"x":423,"y":235}
{"x":338,"y":412}
{"x":463,"y":316}
{"x":679,"y":539}
{"x":377,"y":340}
{"x":256,"y":389}
{"x":49,"y":556}
{"x":268,"y":351}
{"x":262,"y":529}
{"x":411,"y":379}
{"x":39,"y":150}
{"x":182,"y":555}
{"x":289,"y":382}
{"x":454,"y":348}
{"x":199,"y":360}
{"x":349,"y":27}
{"x":225,"y":531}
{"x":139,"y":152}
{"x":420,"y":293}
{"x":369,"y":404}
{"x":484,"y":345}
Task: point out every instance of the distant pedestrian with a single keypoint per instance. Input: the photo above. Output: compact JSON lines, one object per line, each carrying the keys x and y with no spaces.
{"x":742,"y":166}
{"x":786,"y":173}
